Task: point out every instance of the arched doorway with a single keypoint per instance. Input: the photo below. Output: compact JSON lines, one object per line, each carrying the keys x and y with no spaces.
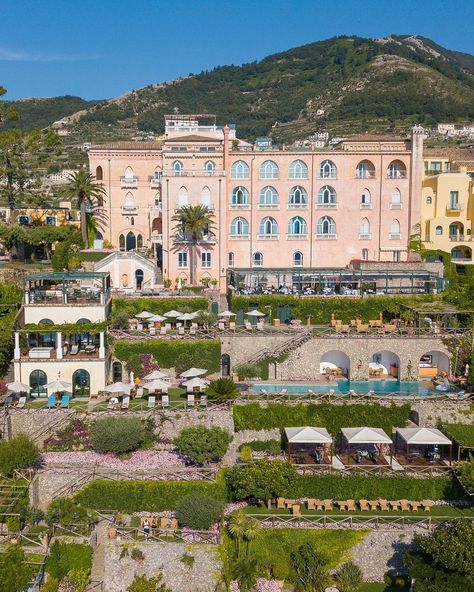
{"x":47,"y":339}
{"x":384,"y":364}
{"x":81,"y":382}
{"x":98,"y":241}
{"x":38,"y":379}
{"x":434,"y":363}
{"x":130,"y":242}
{"x":335,"y":363}
{"x":225,"y":365}
{"x":117,"y":372}
{"x":138,"y":279}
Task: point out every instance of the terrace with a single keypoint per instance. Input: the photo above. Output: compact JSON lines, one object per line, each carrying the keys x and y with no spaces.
{"x":66,"y":288}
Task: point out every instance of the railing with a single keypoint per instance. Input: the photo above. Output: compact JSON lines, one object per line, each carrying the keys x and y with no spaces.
{"x":395,"y":236}
{"x":397,"y":175}
{"x":237,"y":206}
{"x":326,"y":236}
{"x":295,"y":236}
{"x":458,"y":207}
{"x":395,"y":206}
{"x":365,"y":206}
{"x":156,"y":237}
{"x":365,"y":175}
{"x":365,"y":236}
{"x":129,"y":182}
{"x":268,"y":236}
{"x":326,"y":206}
{"x":155,"y":182}
{"x":168,"y":535}
{"x":297,"y":206}
{"x":194,"y":173}
{"x":463,"y":260}
{"x":129,"y":210}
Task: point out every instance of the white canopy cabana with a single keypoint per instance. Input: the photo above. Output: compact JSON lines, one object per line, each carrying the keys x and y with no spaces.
{"x":365,"y":444}
{"x":308,"y":435}
{"x":192,"y":372}
{"x":158,"y":385}
{"x":156,"y":375}
{"x":195,"y":385}
{"x":144,"y":315}
{"x":422,"y":437}
{"x":365,"y":436}
{"x":309,"y":444}
{"x":118,"y":387}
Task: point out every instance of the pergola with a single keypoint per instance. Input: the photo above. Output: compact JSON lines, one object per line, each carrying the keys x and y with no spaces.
{"x":302,"y":437}
{"x":366,"y":436}
{"x":422,"y":437}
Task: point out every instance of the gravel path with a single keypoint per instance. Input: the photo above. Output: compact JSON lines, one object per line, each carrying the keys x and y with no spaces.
{"x":381,"y":552}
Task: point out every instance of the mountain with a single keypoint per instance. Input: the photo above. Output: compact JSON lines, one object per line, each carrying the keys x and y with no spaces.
{"x":343,"y":84}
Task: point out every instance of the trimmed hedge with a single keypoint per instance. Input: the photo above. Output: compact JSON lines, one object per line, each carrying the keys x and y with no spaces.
{"x":321,"y":308}
{"x":333,"y":417}
{"x":65,"y":557}
{"x":152,"y":496}
{"x":132,"y":306}
{"x":205,"y":353}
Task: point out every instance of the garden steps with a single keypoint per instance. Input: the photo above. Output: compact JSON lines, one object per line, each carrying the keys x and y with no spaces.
{"x":98,"y":558}
{"x":287,"y":346}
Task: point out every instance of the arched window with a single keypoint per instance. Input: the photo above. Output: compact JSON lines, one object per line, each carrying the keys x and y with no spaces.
{"x":178,"y":168}
{"x":130,"y":242}
{"x":117,"y":372}
{"x":298,"y":196}
{"x":298,"y":170}
{"x":364,"y":229}
{"x":396,"y":200}
{"x":268,"y":227}
{"x":297,"y":225}
{"x":139,"y":241}
{"x":38,"y":379}
{"x":326,"y":227}
{"x":257,"y":259}
{"x":396,"y":170}
{"x":129,"y":203}
{"x":268,"y":170}
{"x":129,"y":176}
{"x":327,"y":196}
{"x":439,"y":230}
{"x":230,"y":259}
{"x":365,"y":254}
{"x":240,"y":196}
{"x":47,"y":339}
{"x":298,"y":259}
{"x":99,"y":174}
{"x":327,"y":170}
{"x":209,"y":167}
{"x":365,"y":199}
{"x":138,"y":278}
{"x":239,"y":170}
{"x":456,"y":229}
{"x":365,"y":170}
{"x":239,"y":227}
{"x":122,"y":242}
{"x":81,"y":382}
{"x":429,"y":200}
{"x":268,"y":196}
{"x":206,"y":197}
{"x":182,"y":197}
{"x":395,"y":229}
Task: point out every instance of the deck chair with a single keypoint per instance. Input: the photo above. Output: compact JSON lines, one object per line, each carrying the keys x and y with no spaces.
{"x":74,"y":349}
{"x":203,"y":401}
{"x":51,"y":401}
{"x":65,"y":401}
{"x":384,"y":505}
{"x":139,"y":394}
{"x":327,"y":505}
{"x":364,"y":505}
{"x":290,"y":503}
{"x":404,"y":505}
{"x":342,"y":505}
{"x":165,"y":401}
{"x":373,"y":504}
{"x":221,"y":326}
{"x":296,"y":510}
{"x":180,"y":330}
{"x":395,"y":505}
{"x":152,"y":331}
{"x":192,"y":331}
{"x":191,"y":400}
{"x":248,"y":326}
{"x":415,"y":506}
{"x":163,"y":330}
{"x":319,"y":505}
{"x":351,"y":505}
{"x":232,"y":326}
{"x":21,"y":402}
{"x":283,"y":392}
{"x":125,"y":403}
{"x":281,"y":503}
{"x":151,"y":401}
{"x":110,"y":405}
{"x":311,"y":504}
{"x":426,"y":505}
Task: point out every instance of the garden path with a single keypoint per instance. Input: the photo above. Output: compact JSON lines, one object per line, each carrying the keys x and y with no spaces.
{"x":98,"y":559}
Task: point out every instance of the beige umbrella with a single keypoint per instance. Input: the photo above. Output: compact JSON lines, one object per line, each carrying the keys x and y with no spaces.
{"x":118,"y":387}
{"x":226,"y":313}
{"x":172,"y":314}
{"x":144,"y":315}
{"x":155,"y":375}
{"x":192,"y":372}
{"x":255,"y":313}
{"x":18,"y":387}
{"x":158,"y":385}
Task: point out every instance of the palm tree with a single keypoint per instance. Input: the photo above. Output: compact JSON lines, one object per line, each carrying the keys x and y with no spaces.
{"x":252,"y":530}
{"x":83,"y":188}
{"x":193,"y":223}
{"x":237,"y":527}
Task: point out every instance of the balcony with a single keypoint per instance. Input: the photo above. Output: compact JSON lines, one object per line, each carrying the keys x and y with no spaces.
{"x":397,"y":175}
{"x":460,"y":238}
{"x":268,"y":236}
{"x":395,"y":236}
{"x":239,"y":236}
{"x":396,"y":206}
{"x":155,"y":182}
{"x":237,"y":206}
{"x":129,"y":210}
{"x":462,"y":260}
{"x":296,"y":236}
{"x":194,"y":173}
{"x":129,"y":182}
{"x":365,"y":206}
{"x":156,"y":208}
{"x":455,"y":208}
{"x":326,"y":236}
{"x":365,"y":175}
{"x":157,"y":237}
{"x":297,"y":206}
{"x":326,"y":206}
{"x":268,"y":206}
{"x":365,"y":236}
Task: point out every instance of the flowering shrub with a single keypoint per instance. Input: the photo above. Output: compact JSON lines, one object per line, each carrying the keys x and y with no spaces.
{"x":148,"y":365}
{"x":264,"y":585}
{"x":75,"y":436}
{"x":145,"y":460}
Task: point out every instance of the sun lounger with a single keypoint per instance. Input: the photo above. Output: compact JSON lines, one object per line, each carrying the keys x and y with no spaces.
{"x":165,"y":401}
{"x":296,"y":510}
{"x":395,"y":505}
{"x":384,"y":505}
{"x":163,"y":330}
{"x":232,"y":326}
{"x":426,"y":505}
{"x":374,"y":505}
{"x":21,"y":402}
{"x":319,"y":505}
{"x":248,"y":326}
{"x":327,"y":503}
{"x":52,"y":401}
{"x":311,"y":504}
{"x":151,"y":402}
{"x":364,"y":505}
{"x":139,"y":394}
{"x":191,"y":400}
{"x":404,"y":505}
{"x":281,"y":503}
{"x":203,"y":401}
{"x":152,"y":331}
{"x":65,"y":401}
{"x":126,"y":403}
{"x":221,"y":326}
{"x":415,"y":506}
{"x":283,"y":392}
{"x":110,"y":405}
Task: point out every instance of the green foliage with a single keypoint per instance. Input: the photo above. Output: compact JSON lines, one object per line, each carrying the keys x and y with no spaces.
{"x":462,"y":433}
{"x":117,"y":434}
{"x":66,"y":253}
{"x":66,"y":512}
{"x":143,"y":584}
{"x":13,"y":575}
{"x":263,"y":479}
{"x":51,"y":585}
{"x":348,"y":577}
{"x":465,"y":471}
{"x":18,"y":453}
{"x":137,"y":554}
{"x":310,"y":567}
{"x":199,"y":511}
{"x":203,"y":445}
{"x":187,"y":559}
{"x":66,"y":557}
{"x":133,"y":306}
{"x":92,"y":256}
{"x":152,"y":496}
{"x":119,"y":320}
{"x":333,"y":417}
{"x":245,"y":453}
{"x":272,"y":446}
{"x":205,"y":353}
{"x":223,"y":389}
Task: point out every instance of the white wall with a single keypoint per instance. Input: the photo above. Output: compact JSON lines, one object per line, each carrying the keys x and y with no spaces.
{"x":68,"y":313}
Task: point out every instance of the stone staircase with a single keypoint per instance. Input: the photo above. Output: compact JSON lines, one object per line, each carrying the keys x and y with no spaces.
{"x":287,"y":346}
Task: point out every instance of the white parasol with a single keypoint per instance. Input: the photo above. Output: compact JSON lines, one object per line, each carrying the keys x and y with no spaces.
{"x":18,"y":387}
{"x":118,"y":387}
{"x":155,"y":375}
{"x":156,"y":319}
{"x":255,"y":313}
{"x":144,"y":315}
{"x":226,"y":313}
{"x":172,"y":314}
{"x":192,"y":372}
{"x":58,"y":385}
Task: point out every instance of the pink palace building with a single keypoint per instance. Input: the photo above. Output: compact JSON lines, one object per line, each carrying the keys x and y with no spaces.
{"x":279,"y":213}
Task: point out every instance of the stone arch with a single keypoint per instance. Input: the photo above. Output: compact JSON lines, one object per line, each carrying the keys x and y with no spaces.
{"x":433,"y":362}
{"x":384,"y":363}
{"x":332,"y":361}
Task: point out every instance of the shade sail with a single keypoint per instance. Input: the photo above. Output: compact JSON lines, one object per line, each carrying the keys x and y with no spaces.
{"x":308,"y":435}
{"x":144,"y":315}
{"x":193,"y":372}
{"x":366,"y":436}
{"x":429,"y":436}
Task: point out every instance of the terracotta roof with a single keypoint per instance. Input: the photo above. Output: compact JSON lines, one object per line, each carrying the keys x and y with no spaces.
{"x":192,"y":138}
{"x":456,"y":154}
{"x":129,"y":146}
{"x":373,"y":138}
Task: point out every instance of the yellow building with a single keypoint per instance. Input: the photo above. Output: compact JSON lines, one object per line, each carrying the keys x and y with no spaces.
{"x":447,"y":202}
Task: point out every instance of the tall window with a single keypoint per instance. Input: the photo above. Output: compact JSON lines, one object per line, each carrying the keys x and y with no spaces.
{"x":129,"y":176}
{"x":182,"y":197}
{"x":298,"y":259}
{"x":298,"y":170}
{"x":297,"y":225}
{"x":257,"y":259}
{"x":327,"y":170}
{"x":326,"y":227}
{"x":209,"y":167}
{"x":395,"y":229}
{"x":99,"y":174}
{"x":129,"y":203}
{"x":268,"y":170}
{"x":268,"y":227}
{"x":239,"y":170}
{"x":206,"y":259}
{"x":364,"y":229}
{"x":239,"y":227}
{"x":230,"y":259}
{"x":268,"y":196}
{"x":365,"y":199}
{"x":326,"y":196}
{"x":298,"y":196}
{"x":240,"y":196}
{"x":206,"y":197}
{"x":182,"y":259}
{"x":365,"y":254}
{"x":454,"y":200}
{"x":38,"y":379}
{"x":178,"y":168}
{"x":396,"y":170}
{"x":81,"y":383}
{"x":396,"y":201}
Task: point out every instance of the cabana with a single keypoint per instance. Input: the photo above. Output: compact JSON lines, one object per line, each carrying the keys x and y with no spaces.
{"x":422,"y":446}
{"x":309,"y":445}
{"x":195,"y":385}
{"x":157,"y":386}
{"x":364,"y":445}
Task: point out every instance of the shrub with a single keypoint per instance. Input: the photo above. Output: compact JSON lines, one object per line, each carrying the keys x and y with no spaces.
{"x":223,"y":389}
{"x":18,"y":453}
{"x":245,"y":453}
{"x":117,"y":434}
{"x":272,"y":446}
{"x":348,"y":577}
{"x":310,"y":567}
{"x":462,"y":433}
{"x":119,"y":320}
{"x":202,"y":445}
{"x":132,"y":306}
{"x":74,"y":436}
{"x":65,"y":557}
{"x":263,"y":479}
{"x":66,"y":511}
{"x":144,"y":584}
{"x":137,"y":554}
{"x":465,"y":471}
{"x":199,"y":511}
{"x":13,"y":575}
{"x":152,"y":496}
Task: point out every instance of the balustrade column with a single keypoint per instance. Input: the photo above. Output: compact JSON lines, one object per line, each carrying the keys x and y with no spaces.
{"x":17,"y":351}
{"x":59,"y":346}
{"x":102,"y":345}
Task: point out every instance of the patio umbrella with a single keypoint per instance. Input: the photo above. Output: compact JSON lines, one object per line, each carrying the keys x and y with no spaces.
{"x":18,"y":387}
{"x":118,"y":387}
{"x":172,"y":314}
{"x":226,"y":313}
{"x":255,"y":313}
{"x":192,"y":372}
{"x":58,"y":386}
{"x":186,"y":317}
{"x":156,"y":319}
{"x":157,"y":384}
{"x":195,"y":383}
{"x":155,"y":375}
{"x":144,"y":315}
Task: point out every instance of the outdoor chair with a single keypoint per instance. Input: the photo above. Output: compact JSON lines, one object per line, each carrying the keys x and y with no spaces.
{"x":192,"y":331}
{"x":384,"y":505}
{"x":180,"y":330}
{"x":342,"y":505}
{"x":362,"y":328}
{"x":364,"y":505}
{"x":248,"y":326}
{"x":139,"y":394}
{"x":65,"y":401}
{"x":163,"y":330}
{"x":152,"y":331}
{"x":191,"y":401}
{"x":203,"y":401}
{"x":319,"y":505}
{"x":264,"y":392}
{"x":74,"y":349}
{"x":374,"y":505}
{"x":151,"y":402}
{"x":415,"y":506}
{"x":125,"y":403}
{"x":51,"y":401}
{"x":110,"y":405}
{"x":296,"y":510}
{"x":404,"y":505}
{"x":21,"y":402}
{"x":283,"y":392}
{"x":395,"y":505}
{"x":351,"y":507}
{"x":426,"y":505}
{"x":311,"y":504}
{"x":221,"y":326}
{"x":140,"y":327}
{"x":281,"y":503}
{"x":232,"y":326}
{"x":290,"y":503}
{"x":328,"y":505}
{"x":165,"y":401}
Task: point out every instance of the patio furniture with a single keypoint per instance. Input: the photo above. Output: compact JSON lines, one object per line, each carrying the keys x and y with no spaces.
{"x":289,"y":503}
{"x":74,"y":349}
{"x":362,"y":328}
{"x":151,"y":402}
{"x":395,"y":505}
{"x":192,"y":331}
{"x":328,"y":505}
{"x":364,"y":505}
{"x":90,"y":349}
{"x":248,"y":326}
{"x":342,"y":505}
{"x":191,"y":401}
{"x":373,"y":504}
{"x":165,"y":401}
{"x":152,"y":331}
{"x":232,"y":326}
{"x":65,"y":401}
{"x":296,"y":510}
{"x":426,"y":505}
{"x":203,"y":401}
{"x":384,"y":505}
{"x":415,"y":506}
{"x":21,"y":402}
{"x":311,"y":504}
{"x":52,"y":401}
{"x":139,"y":394}
{"x":319,"y":505}
{"x":163,"y":330}
{"x":125,"y":403}
{"x":180,"y":330}
{"x":281,"y":503}
{"x":404,"y":505}
{"x":351,"y":505}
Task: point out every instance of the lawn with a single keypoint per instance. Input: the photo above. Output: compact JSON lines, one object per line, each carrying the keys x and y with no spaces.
{"x":273,"y":546}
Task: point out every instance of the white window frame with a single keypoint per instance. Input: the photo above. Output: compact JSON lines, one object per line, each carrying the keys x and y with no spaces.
{"x":182,"y":260}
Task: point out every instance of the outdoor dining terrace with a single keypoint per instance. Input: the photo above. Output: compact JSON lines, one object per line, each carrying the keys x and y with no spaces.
{"x":62,"y":288}
{"x":54,"y":344}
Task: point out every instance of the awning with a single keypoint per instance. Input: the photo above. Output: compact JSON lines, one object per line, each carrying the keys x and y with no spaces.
{"x":428,"y":436}
{"x":308,"y":435}
{"x":366,"y":436}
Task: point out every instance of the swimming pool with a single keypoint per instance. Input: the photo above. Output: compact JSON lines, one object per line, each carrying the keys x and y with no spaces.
{"x":341,"y":387}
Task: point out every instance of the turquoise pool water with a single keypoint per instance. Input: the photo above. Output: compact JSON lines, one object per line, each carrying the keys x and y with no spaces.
{"x":380,"y":387}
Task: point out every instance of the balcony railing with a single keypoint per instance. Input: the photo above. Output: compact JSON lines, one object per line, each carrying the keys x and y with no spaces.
{"x":128,"y":210}
{"x":460,"y":238}
{"x":462,"y":260}
{"x":397,"y":175}
{"x":268,"y":236}
{"x":326,"y":206}
{"x":239,"y":236}
{"x":194,"y":173}
{"x":129,"y":182}
{"x":269,"y":206}
{"x":395,"y":236}
{"x":396,"y":206}
{"x":156,"y":237}
{"x":237,"y":206}
{"x":297,"y":206}
{"x":365,"y":174}
{"x":156,"y":208}
{"x":458,"y":207}
{"x":326,"y":236}
{"x":365,"y":206}
{"x":155,"y":182}
{"x":296,"y":236}
{"x":365,"y":235}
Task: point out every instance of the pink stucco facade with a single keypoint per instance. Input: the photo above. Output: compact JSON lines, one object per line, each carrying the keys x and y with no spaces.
{"x":273,"y":208}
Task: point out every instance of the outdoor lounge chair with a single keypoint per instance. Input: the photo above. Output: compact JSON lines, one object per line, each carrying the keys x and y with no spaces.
{"x":180,"y":330}
{"x":74,"y":349}
{"x":290,"y":503}
{"x":191,"y":401}
{"x":126,"y":403}
{"x":364,"y":505}
{"x":426,"y":505}
{"x":404,"y":505}
{"x":192,"y":331}
{"x":327,"y":503}
{"x":281,"y":503}
{"x":311,"y":504}
{"x":21,"y":402}
{"x":139,"y":394}
{"x":152,"y":331}
{"x":52,"y":401}
{"x":395,"y":506}
{"x":203,"y":401}
{"x":151,"y":401}
{"x":232,"y":325}
{"x":65,"y":401}
{"x":415,"y":506}
{"x":248,"y":326}
{"x":165,"y":401}
{"x":374,"y":505}
{"x":384,"y":505}
{"x":163,"y":330}
{"x":296,"y":510}
{"x":283,"y":392}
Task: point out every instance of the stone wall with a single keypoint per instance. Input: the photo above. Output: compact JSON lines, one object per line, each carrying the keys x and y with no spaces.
{"x":303,"y":362}
{"x":241,"y":347}
{"x":37,"y":424}
{"x":432,"y":412}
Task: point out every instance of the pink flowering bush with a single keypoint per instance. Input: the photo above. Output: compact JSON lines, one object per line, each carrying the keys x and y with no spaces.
{"x":264,"y":585}
{"x":229,"y":508}
{"x":141,"y":460}
{"x":234,"y":586}
{"x":74,"y":436}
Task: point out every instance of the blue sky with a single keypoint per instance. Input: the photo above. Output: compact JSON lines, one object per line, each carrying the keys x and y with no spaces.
{"x":102,"y":48}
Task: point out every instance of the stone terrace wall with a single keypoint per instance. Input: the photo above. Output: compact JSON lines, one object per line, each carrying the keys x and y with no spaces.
{"x":241,"y":347}
{"x":37,"y":424}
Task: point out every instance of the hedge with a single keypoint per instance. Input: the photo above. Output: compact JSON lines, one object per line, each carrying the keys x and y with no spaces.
{"x":205,"y":353}
{"x":333,"y":417}
{"x":152,"y":496}
{"x":93,"y":256}
{"x":462,"y":433}
{"x":65,"y":557}
{"x":132,"y":306}
{"x":321,"y":308}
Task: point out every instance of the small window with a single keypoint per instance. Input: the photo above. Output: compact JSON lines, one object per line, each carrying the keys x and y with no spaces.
{"x":210,"y":167}
{"x":177,"y":168}
{"x":206,"y":259}
{"x":297,"y":226}
{"x":268,"y":227}
{"x":23,"y":220}
{"x":298,"y":196}
{"x":239,"y":226}
{"x":429,"y":200}
{"x":99,"y":174}
{"x":365,"y":254}
{"x":139,"y":241}
{"x":182,"y":259}
{"x":230,"y":259}
{"x":50,"y":220}
{"x":268,"y":196}
{"x":327,"y":196}
{"x":257,"y":259}
{"x":240,"y":196}
{"x":298,"y":259}
{"x":439,"y":230}
{"x":365,"y":198}
{"x":327,"y":170}
{"x":396,"y":198}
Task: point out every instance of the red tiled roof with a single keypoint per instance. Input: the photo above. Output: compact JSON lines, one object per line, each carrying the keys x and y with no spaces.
{"x":192,"y":138}
{"x":129,"y":146}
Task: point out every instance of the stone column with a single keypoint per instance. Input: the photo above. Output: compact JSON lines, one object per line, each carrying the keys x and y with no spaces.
{"x":102,"y":345}
{"x":59,"y":346}
{"x":17,"y":352}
